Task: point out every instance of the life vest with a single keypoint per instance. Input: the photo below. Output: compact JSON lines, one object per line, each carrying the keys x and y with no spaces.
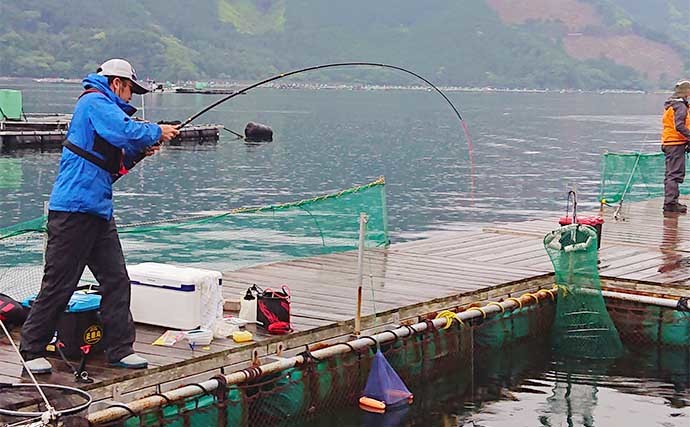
{"x":113,"y":157}
{"x":669,"y":134}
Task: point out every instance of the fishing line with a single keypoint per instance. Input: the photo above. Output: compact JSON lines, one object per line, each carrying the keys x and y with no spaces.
{"x":237,"y":134}
{"x":334,"y":65}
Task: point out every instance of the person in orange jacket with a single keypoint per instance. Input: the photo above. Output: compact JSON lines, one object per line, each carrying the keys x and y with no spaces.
{"x":674,"y":143}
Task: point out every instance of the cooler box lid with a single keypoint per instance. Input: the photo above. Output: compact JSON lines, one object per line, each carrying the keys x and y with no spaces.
{"x":184,"y":279}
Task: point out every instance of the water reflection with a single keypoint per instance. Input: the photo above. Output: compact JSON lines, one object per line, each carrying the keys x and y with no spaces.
{"x":671,"y":259}
{"x":524,"y":385}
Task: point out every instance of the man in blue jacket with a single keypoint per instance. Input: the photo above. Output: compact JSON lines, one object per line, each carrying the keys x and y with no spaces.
{"x":102,"y":143}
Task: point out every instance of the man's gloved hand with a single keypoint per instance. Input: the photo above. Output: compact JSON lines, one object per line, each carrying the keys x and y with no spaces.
{"x":168,"y":132}
{"x":687,"y":148}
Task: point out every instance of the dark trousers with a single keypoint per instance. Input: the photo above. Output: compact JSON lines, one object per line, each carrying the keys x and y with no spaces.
{"x":77,"y":240}
{"x":675,"y":172}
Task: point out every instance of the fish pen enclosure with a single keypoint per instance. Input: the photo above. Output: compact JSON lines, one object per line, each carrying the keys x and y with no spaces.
{"x":498,"y":339}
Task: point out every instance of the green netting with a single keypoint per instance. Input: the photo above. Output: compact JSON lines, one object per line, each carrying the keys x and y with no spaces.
{"x":288,"y":395}
{"x":634,"y":177}
{"x":204,"y":410}
{"x":667,"y":327}
{"x":222,"y":241}
{"x":582,"y":326}
{"x":10,"y":104}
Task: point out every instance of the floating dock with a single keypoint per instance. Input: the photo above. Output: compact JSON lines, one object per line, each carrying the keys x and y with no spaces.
{"x":205,"y":91}
{"x":47,"y":132}
{"x":647,"y":253}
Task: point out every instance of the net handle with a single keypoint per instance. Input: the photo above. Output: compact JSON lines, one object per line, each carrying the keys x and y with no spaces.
{"x":572,"y":193}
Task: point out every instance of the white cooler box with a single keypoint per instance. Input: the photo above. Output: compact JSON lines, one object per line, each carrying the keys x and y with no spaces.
{"x":175,"y":297}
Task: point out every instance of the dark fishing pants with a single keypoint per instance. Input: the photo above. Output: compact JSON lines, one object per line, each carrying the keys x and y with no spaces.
{"x":77,"y":240}
{"x":675,"y":172}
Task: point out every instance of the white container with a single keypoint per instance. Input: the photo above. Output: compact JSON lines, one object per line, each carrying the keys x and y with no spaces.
{"x":199,"y":337}
{"x":175,"y":297}
{"x":248,"y":306}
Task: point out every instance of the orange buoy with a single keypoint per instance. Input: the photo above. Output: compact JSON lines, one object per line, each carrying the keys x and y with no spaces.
{"x":371,"y":405}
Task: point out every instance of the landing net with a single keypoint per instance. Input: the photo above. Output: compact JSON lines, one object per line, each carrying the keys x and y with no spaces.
{"x":220,"y":240}
{"x":582,"y":326}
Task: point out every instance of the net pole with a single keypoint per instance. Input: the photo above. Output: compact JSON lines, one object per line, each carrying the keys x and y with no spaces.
{"x":360,"y":270}
{"x":617,"y":212}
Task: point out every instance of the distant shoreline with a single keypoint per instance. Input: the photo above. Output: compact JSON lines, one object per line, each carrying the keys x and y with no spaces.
{"x":170,"y":87}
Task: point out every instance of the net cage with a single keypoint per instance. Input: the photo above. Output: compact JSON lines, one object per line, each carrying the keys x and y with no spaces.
{"x":474,"y":359}
{"x":221,"y":241}
{"x":319,"y":388}
{"x":633,"y":177}
{"x":582,"y":325}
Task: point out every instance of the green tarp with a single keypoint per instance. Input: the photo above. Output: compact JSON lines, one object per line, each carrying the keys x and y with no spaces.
{"x":10,"y":104}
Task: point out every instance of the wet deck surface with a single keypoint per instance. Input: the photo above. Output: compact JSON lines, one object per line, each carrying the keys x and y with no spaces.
{"x":403,"y":279}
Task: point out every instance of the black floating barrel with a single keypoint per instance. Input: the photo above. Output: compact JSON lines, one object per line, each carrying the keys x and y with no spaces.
{"x":257,"y":132}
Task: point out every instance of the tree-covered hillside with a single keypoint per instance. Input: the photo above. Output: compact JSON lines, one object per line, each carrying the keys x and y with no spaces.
{"x":452,"y":42}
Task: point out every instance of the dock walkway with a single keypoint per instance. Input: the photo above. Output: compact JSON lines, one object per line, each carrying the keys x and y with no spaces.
{"x":406,"y":281}
{"x":48,"y":132}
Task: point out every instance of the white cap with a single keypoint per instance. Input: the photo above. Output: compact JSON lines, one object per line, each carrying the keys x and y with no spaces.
{"x":122,"y":68}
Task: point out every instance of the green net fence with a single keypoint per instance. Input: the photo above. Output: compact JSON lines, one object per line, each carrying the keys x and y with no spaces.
{"x":582,"y":327}
{"x":633,"y":177}
{"x":220,"y":241}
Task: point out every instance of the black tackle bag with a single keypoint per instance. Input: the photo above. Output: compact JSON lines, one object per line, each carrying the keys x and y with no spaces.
{"x":273,"y":310}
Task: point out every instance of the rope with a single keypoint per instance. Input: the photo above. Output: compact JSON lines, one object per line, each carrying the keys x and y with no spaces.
{"x":516,"y":301}
{"x":50,"y":410}
{"x":449,"y":316}
{"x":503,"y":309}
{"x":376,"y":343}
{"x":529,"y":294}
{"x":549,"y":292}
{"x":380,"y":181}
{"x":481,"y":310}
{"x":390,"y":331}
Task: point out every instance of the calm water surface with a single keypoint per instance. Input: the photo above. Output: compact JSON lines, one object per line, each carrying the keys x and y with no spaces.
{"x":524,"y":385}
{"x":528,"y":149}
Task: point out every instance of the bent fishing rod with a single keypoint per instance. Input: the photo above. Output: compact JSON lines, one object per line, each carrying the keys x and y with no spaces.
{"x":334,"y":65}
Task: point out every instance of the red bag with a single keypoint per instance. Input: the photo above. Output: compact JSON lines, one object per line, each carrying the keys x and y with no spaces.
{"x":12,"y":312}
{"x":273,"y":310}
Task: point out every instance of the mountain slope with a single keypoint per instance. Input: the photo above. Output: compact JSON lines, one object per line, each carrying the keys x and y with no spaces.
{"x":587,"y":44}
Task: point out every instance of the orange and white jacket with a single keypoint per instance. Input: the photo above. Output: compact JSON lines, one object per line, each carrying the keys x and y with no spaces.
{"x":676,"y":122}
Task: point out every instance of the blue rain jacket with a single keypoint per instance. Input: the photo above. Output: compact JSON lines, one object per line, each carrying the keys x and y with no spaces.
{"x":81,"y":186}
